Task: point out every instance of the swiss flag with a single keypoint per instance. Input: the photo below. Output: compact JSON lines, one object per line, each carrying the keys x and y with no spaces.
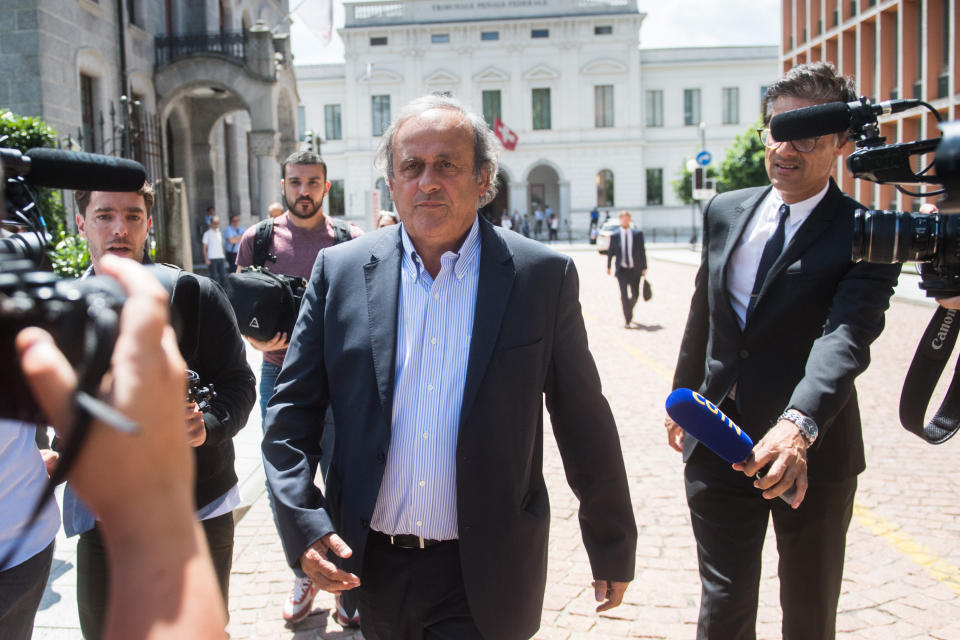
{"x":506,"y":135}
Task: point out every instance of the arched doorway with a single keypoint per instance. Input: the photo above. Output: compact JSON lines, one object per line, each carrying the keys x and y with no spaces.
{"x":500,"y":203}
{"x":543,"y":187}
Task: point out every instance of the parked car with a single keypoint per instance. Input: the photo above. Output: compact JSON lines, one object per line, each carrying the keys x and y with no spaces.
{"x":607,"y":229}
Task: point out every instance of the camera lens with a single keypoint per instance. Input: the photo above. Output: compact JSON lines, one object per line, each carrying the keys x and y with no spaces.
{"x":894,"y":236}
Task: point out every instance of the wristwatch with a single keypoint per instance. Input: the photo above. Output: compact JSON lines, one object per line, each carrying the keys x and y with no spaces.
{"x":806,"y":425}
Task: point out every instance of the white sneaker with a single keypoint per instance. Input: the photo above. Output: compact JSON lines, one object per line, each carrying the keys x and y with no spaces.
{"x":300,"y":602}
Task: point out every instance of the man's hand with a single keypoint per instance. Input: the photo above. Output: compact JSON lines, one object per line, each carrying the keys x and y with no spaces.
{"x":643,"y":272}
{"x":324,"y":573}
{"x":674,"y":434}
{"x":196,"y":432}
{"x":278,"y":341}
{"x":785,"y":449}
{"x":608,"y":271}
{"x":949,"y":303}
{"x":609,"y":593}
{"x":50,"y":460}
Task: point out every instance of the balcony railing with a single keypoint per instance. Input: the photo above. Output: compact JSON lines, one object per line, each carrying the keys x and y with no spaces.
{"x":227,"y":44}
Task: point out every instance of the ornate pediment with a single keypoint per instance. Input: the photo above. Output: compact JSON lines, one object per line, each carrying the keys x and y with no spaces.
{"x":491,"y":75}
{"x":603,"y":66}
{"x":441,"y":77}
{"x":541,"y":72}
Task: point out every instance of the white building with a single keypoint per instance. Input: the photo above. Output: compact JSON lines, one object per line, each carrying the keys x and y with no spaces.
{"x":567,"y":76}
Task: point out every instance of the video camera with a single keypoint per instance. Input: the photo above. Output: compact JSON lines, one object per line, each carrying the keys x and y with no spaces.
{"x":932,"y":240}
{"x":889,"y":237}
{"x":81,"y":315}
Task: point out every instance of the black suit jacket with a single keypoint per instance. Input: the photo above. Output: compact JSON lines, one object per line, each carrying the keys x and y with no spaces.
{"x":615,"y":252}
{"x":807,"y":338}
{"x":528,"y":342}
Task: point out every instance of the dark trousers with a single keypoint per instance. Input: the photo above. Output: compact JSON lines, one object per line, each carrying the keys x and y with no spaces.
{"x":629,"y":280}
{"x":729,"y":518}
{"x":21,"y":589}
{"x":218,"y":270}
{"x":413,"y":594}
{"x":93,"y":571}
{"x":231,"y":262}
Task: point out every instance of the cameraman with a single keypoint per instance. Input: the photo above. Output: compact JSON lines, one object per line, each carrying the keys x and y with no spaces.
{"x":140,"y":485}
{"x":117,"y":223}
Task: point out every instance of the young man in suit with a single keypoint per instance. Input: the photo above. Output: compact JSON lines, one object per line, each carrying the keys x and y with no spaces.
{"x":626,"y":248}
{"x":780,"y":325}
{"x":435,"y":341}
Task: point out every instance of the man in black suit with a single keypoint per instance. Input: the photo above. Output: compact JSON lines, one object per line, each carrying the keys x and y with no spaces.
{"x":626,"y":248}
{"x":435,"y":342}
{"x":780,"y":324}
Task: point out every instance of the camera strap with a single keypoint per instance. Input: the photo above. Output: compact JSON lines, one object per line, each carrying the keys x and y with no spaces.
{"x":928,"y":363}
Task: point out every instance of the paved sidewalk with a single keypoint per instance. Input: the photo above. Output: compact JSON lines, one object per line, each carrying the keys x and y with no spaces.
{"x":901,"y":577}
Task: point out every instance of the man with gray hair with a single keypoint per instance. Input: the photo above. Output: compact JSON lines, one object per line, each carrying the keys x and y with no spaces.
{"x":435,"y":342}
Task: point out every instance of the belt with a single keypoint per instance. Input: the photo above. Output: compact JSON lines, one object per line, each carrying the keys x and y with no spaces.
{"x":408,"y":541}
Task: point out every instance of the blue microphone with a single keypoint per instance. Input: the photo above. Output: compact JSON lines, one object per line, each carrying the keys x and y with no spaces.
{"x":713,"y":428}
{"x":704,"y":421}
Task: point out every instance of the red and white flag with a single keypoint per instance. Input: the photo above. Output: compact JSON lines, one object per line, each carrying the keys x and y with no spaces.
{"x":507,"y":137}
{"x":317,"y":16}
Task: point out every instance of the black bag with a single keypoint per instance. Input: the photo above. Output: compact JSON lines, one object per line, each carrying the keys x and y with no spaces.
{"x":266,"y":303}
{"x":647,"y":290}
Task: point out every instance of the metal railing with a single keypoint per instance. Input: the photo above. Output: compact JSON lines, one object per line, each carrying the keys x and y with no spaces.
{"x":228,"y":44}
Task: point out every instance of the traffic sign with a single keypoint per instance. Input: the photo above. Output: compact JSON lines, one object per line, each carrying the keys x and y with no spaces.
{"x":704,"y":158}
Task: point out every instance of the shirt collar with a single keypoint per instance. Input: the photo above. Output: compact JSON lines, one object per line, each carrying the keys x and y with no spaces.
{"x":463,"y":259}
{"x":799,"y":210}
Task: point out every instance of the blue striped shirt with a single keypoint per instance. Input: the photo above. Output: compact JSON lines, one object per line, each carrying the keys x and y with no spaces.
{"x":418,"y":494}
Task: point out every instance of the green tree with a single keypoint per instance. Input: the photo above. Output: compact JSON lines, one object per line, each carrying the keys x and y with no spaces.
{"x":24,"y":133}
{"x":742,"y":164}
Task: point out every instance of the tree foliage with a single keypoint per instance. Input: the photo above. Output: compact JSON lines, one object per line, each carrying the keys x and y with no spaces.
{"x":24,"y":133}
{"x":742,"y":164}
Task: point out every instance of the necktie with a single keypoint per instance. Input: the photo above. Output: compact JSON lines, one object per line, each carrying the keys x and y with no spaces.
{"x":771,"y":251}
{"x":627,"y":249}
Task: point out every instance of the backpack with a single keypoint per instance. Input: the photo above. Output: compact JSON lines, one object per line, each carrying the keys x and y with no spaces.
{"x":266,"y":303}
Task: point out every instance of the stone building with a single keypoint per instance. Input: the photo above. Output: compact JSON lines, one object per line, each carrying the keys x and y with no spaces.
{"x":566,"y":76}
{"x":202,"y":90}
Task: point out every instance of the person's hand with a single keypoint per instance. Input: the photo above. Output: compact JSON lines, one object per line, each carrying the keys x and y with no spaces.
{"x":785,"y":449}
{"x":278,"y":341}
{"x":322,"y":571}
{"x":196,"y":432}
{"x":643,"y":272}
{"x":949,"y":303}
{"x":674,"y":434}
{"x":50,"y":460}
{"x":609,"y":593}
{"x":146,"y":383}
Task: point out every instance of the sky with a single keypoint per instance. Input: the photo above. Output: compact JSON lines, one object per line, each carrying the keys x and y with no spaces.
{"x":669,"y":23}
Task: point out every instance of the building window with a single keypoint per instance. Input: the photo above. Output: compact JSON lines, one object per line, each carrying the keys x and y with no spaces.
{"x":489,"y":35}
{"x":440,"y":38}
{"x":380,"y":106}
{"x":540,"y":33}
{"x":603,"y":105}
{"x":386,"y":202}
{"x":605,"y":188}
{"x":331,"y":117}
{"x":335,"y":198}
{"x":691,"y":107}
{"x":654,"y":187}
{"x":87,"y":114}
{"x":731,"y":105}
{"x":491,"y":106}
{"x":654,"y":104}
{"x":378,"y":41}
{"x":603,"y":30}
{"x":541,"y":108}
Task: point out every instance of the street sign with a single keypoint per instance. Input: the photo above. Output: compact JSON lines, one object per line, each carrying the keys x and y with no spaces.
{"x":704,"y":158}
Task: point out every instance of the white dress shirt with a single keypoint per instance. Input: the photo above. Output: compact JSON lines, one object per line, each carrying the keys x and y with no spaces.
{"x":746,"y":257}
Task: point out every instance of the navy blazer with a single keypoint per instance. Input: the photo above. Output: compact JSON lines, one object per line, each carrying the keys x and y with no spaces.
{"x":615,"y":252}
{"x":528,"y":343}
{"x":809,"y":334}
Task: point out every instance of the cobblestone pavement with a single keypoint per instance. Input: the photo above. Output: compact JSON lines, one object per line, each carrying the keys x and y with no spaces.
{"x":901,"y":579}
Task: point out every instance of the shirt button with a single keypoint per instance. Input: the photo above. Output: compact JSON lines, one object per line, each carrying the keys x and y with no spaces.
{"x":429,"y":387}
{"x":459,"y":276}
{"x":425,"y":435}
{"x":433,"y":341}
{"x":744,"y":354}
{"x":422,"y":483}
{"x":436,"y":296}
{"x":419,"y":523}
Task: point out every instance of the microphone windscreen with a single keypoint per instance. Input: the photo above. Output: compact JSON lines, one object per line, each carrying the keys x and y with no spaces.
{"x":810,"y":122}
{"x":86,"y":171}
{"x":704,"y":421}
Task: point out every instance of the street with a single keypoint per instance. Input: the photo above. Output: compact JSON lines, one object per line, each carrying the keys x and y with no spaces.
{"x":901,"y":578}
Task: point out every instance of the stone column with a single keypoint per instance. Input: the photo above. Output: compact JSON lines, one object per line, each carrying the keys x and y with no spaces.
{"x":265,"y":145}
